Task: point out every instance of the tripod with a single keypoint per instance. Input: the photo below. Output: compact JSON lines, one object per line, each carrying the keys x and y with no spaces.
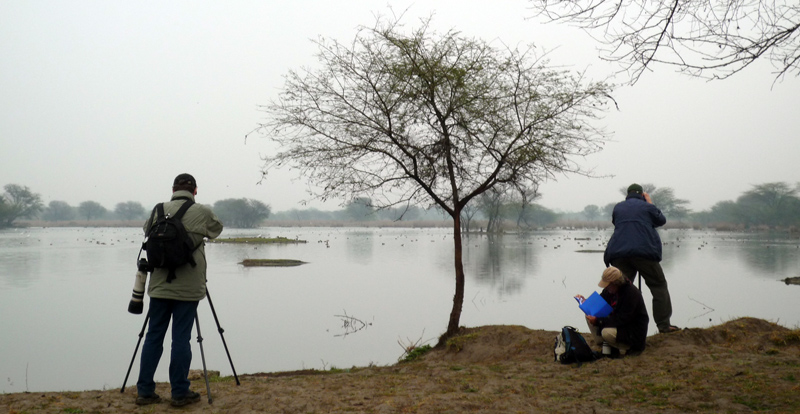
{"x":199,"y":341}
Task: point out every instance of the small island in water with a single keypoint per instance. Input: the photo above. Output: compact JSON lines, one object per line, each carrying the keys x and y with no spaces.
{"x":271,"y":262}
{"x":258,"y":240}
{"x":264,"y":240}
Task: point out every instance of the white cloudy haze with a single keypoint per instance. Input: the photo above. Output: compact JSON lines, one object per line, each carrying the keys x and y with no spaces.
{"x":108,"y":101}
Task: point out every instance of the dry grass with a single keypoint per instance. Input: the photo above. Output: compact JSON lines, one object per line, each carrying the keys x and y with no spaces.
{"x":745,"y":365}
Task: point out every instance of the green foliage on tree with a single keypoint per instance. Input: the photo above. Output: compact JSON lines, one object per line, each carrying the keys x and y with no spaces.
{"x":492,"y":205}
{"x":18,"y":202}
{"x":130,"y":210}
{"x":664,"y":198}
{"x":771,"y":204}
{"x":241,"y":212}
{"x":432,"y":119}
{"x":591,"y":212}
{"x":91,"y":210}
{"x":608,"y":210}
{"x":360,"y":209}
{"x":58,"y":211}
{"x":673,"y":208}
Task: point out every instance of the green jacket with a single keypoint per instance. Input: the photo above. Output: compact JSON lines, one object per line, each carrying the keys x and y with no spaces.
{"x":190,"y":282}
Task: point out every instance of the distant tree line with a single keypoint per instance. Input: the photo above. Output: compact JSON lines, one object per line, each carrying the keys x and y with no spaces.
{"x":362,"y":209}
{"x":33,"y":208}
{"x":774,"y":204}
{"x":241,"y":212}
{"x":673,"y":207}
{"x":771,"y":204}
{"x":19,"y":202}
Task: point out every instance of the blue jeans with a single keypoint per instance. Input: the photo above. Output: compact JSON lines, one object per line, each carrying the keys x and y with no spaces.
{"x":182,"y":314}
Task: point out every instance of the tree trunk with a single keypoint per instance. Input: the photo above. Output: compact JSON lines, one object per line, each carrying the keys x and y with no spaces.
{"x":458,"y":298}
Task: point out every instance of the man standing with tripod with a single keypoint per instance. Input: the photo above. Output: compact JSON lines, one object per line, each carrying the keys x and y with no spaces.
{"x":175,"y":296}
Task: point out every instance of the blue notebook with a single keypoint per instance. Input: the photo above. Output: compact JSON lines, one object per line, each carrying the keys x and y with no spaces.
{"x":595,"y":306}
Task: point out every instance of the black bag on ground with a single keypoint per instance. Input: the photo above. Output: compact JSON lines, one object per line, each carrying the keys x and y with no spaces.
{"x":570,"y":347}
{"x":168,"y":244}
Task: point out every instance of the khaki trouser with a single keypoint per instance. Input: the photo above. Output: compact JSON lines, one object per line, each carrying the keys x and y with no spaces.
{"x":608,"y":335}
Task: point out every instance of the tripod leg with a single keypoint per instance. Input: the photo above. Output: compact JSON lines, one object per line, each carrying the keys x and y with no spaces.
{"x":221,"y":331}
{"x":135,"y":351}
{"x":203,"y":357}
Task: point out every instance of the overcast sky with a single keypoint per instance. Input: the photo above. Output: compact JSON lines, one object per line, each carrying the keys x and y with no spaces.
{"x":108,"y":101}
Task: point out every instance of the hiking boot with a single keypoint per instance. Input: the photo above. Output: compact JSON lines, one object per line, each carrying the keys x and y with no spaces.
{"x":148,"y":399}
{"x":669,"y":329}
{"x":633,"y":353}
{"x":190,"y":398}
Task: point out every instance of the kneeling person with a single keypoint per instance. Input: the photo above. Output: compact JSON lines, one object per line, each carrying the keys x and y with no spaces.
{"x":626,"y":327}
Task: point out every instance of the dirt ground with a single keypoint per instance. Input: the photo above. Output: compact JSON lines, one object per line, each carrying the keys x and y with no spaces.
{"x":744,"y":365}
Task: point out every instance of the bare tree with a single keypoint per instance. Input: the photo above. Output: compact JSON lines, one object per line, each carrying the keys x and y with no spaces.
{"x":490,"y":203}
{"x":705,"y":38}
{"x":523,"y":207}
{"x":429,"y":118}
{"x":467,"y":213}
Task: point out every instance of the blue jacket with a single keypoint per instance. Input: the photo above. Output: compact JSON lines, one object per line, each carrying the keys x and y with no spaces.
{"x":635,"y":221}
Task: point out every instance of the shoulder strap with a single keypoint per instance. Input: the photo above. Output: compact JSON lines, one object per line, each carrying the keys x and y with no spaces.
{"x":185,"y":206}
{"x":179,"y":215}
{"x":159,"y":212}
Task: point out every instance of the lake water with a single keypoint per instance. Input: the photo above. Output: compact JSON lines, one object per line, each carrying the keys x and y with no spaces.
{"x":64,"y":294}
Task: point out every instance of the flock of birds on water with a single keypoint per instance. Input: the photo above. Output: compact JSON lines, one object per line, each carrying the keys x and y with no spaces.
{"x":108,"y":237}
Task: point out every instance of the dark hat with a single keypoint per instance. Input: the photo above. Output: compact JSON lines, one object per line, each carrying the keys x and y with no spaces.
{"x":185,"y":179}
{"x":635,"y":188}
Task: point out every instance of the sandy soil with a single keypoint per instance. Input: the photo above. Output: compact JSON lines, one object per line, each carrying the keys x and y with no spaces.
{"x":744,"y":365}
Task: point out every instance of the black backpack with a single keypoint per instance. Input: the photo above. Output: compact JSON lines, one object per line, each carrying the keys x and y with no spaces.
{"x":168,"y":244}
{"x":570,"y":347}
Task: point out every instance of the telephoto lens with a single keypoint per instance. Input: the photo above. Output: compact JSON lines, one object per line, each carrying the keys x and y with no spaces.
{"x":136,"y":304}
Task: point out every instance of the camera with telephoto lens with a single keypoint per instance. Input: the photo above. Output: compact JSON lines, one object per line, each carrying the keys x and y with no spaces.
{"x":136,"y":305}
{"x":143,"y":266}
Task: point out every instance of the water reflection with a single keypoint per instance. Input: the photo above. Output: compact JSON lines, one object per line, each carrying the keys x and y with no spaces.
{"x":359,"y":246}
{"x":398,"y":281}
{"x":764,"y":255}
{"x":22,"y":269}
{"x":499,"y":262}
{"x":772,"y":259}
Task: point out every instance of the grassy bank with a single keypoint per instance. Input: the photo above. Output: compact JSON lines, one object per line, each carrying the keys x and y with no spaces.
{"x":744,"y":365}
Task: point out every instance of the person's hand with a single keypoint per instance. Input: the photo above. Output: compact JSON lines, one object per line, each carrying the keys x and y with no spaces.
{"x":591,"y":319}
{"x":580,"y":298}
{"x":647,"y":197}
